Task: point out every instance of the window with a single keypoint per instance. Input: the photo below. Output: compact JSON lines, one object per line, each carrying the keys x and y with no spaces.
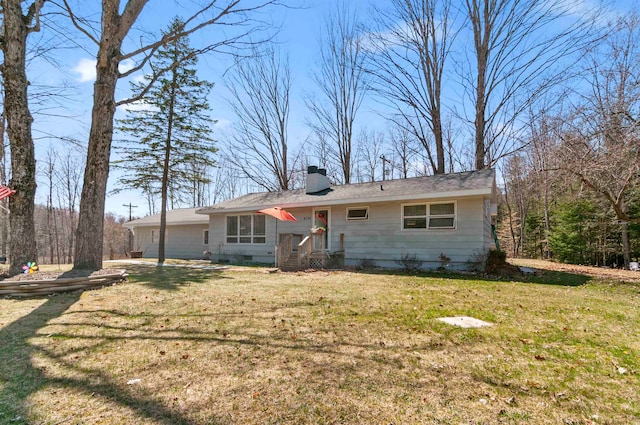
{"x":246,"y":228}
{"x":442,"y":216}
{"x":205,"y":237}
{"x":414,"y":217}
{"x":429,"y":216}
{"x":360,"y":213}
{"x":155,"y":235}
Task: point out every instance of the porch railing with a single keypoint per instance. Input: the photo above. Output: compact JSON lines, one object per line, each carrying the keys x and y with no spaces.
{"x":304,"y":252}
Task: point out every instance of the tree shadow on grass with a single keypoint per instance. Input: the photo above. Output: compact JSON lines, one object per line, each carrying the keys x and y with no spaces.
{"x":171,"y":278}
{"x":543,"y":277}
{"x":21,"y":379}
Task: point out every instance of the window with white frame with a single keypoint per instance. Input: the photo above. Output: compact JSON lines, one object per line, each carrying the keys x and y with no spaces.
{"x":205,"y":237}
{"x":357,"y":213}
{"x":429,"y":216}
{"x":246,"y":229}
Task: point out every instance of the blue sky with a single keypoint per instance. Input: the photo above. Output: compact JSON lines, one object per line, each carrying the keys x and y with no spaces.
{"x":298,"y":37}
{"x":300,"y":28}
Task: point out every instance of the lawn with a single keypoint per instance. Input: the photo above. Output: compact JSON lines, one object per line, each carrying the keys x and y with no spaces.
{"x":188,"y":346}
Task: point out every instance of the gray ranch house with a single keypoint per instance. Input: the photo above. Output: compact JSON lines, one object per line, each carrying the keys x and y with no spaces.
{"x":435,"y":221}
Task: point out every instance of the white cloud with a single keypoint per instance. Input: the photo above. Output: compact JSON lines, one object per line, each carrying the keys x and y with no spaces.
{"x":223,"y":123}
{"x":87,"y":69}
{"x":138,"y":79}
{"x":126,"y":65}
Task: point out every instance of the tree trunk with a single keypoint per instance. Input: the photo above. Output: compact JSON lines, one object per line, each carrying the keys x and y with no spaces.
{"x":4,"y":217}
{"x":547,"y":224}
{"x":481,"y":22}
{"x":22,"y":244}
{"x":167,"y":161}
{"x":626,"y":250}
{"x":90,"y":233}
{"x":437,"y":133}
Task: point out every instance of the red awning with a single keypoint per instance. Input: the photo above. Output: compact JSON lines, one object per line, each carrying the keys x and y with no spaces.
{"x":5,"y":192}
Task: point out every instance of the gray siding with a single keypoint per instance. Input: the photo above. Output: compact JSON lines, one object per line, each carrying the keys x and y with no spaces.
{"x":183,"y":242}
{"x":261,"y":253}
{"x":380,"y":238}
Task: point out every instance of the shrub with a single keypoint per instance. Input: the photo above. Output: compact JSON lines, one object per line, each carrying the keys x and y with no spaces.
{"x":410,"y":263}
{"x":478,"y":260}
{"x":366,"y":264}
{"x":496,"y":260}
{"x":444,"y":261}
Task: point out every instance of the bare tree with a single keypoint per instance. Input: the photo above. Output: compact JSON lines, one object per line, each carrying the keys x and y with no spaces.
{"x":342,"y":83}
{"x":16,"y":26}
{"x":51,"y":221}
{"x":517,"y":193}
{"x":601,"y":138}
{"x":521,"y":49}
{"x":542,"y":155}
{"x":408,"y":50}
{"x":404,"y":148}
{"x":116,"y":239}
{"x":68,"y":181}
{"x":116,"y":23}
{"x":371,"y":145}
{"x":259,"y":146}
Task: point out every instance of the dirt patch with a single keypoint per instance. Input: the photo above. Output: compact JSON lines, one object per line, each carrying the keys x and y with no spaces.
{"x":599,"y":272}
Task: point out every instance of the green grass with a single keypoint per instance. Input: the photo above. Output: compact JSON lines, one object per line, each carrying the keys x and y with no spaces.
{"x":221,"y":347}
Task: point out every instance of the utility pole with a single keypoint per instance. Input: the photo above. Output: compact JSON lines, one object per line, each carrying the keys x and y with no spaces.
{"x":384,"y":168}
{"x":131,"y":207}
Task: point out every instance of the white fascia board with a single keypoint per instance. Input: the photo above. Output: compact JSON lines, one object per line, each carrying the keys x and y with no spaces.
{"x":464,"y":193}
{"x":131,"y":225}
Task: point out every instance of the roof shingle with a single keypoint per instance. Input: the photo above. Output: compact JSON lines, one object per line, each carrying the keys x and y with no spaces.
{"x":471,"y":183}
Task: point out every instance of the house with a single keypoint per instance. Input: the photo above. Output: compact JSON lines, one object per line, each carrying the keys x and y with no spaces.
{"x":186,"y":235}
{"x":441,"y":220}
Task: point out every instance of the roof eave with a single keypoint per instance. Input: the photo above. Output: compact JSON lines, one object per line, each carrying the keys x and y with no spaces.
{"x":132,"y":224}
{"x":486,"y":192}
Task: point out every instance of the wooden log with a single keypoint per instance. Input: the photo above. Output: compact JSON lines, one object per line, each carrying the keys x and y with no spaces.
{"x":26,"y":288}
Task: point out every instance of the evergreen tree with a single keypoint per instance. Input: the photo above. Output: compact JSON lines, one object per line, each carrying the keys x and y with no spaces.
{"x":170,"y":133}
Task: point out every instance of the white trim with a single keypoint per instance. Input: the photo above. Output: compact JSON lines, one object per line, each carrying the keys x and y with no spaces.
{"x":133,"y":224}
{"x":365,"y":218}
{"x":329,"y":224}
{"x":428,"y":216}
{"x":207,"y":238}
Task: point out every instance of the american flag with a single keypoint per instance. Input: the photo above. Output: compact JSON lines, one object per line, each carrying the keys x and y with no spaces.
{"x":5,"y":192}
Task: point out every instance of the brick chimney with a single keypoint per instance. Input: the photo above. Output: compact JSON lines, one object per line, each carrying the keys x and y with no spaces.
{"x":317,"y":179}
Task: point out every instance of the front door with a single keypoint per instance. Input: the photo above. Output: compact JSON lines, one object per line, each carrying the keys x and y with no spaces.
{"x":322,"y":219}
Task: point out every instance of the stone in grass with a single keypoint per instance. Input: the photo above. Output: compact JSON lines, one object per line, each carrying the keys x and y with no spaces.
{"x":465,"y":322}
{"x":527,"y":270}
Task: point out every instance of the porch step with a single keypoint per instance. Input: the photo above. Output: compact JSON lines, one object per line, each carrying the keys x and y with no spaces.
{"x":291,"y":264}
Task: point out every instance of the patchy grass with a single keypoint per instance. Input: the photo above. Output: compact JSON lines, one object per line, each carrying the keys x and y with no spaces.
{"x":223,"y":347}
